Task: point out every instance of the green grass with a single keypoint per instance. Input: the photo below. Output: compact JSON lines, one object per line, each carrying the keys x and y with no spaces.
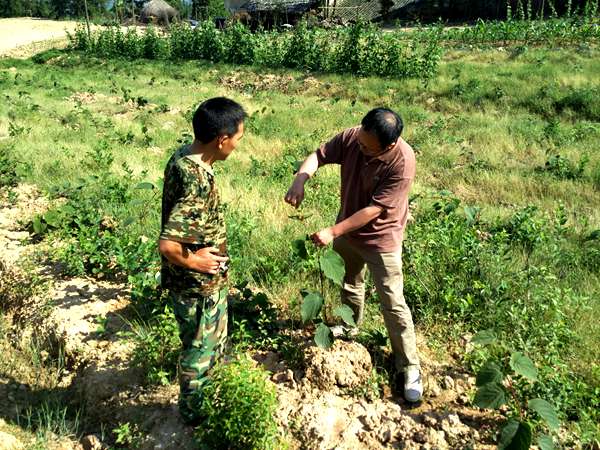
{"x":484,"y":129}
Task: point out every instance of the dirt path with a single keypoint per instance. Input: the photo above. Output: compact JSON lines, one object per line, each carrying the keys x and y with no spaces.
{"x":23,"y":36}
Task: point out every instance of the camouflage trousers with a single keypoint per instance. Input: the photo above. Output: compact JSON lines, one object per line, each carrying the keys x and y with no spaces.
{"x":203,"y":332}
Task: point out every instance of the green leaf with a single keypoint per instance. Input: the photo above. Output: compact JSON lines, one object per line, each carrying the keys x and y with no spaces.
{"x":515,"y":436}
{"x":546,"y":412}
{"x":311,"y":307}
{"x":332,"y":266}
{"x":346,"y":313}
{"x":53,"y":218}
{"x":545,"y":442}
{"x":522,"y":365}
{"x":323,"y":336}
{"x":128,"y":221}
{"x":299,"y":248}
{"x":489,"y":373}
{"x":145,"y":185}
{"x":39,"y":227}
{"x":593,"y":235}
{"x":471,"y":213}
{"x":490,"y":395}
{"x":484,"y":337}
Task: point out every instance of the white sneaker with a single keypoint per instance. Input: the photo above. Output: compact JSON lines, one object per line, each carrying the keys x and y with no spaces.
{"x":341,"y":330}
{"x":413,"y":387}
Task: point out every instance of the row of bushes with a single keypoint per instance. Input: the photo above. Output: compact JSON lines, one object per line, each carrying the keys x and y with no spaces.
{"x":361,"y":49}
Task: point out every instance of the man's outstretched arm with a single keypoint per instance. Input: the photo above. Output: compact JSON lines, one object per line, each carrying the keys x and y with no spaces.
{"x":357,"y":220}
{"x":295,"y":193}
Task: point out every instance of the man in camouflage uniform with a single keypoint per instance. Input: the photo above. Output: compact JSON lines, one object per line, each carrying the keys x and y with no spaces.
{"x":193,"y":245}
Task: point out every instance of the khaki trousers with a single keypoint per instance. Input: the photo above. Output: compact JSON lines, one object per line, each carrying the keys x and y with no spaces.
{"x":386,"y":270}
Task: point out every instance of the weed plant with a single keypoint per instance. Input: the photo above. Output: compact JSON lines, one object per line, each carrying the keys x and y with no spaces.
{"x":239,"y":405}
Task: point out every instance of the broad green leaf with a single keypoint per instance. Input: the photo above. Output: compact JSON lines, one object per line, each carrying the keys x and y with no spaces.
{"x":346,"y":313}
{"x":490,"y":395}
{"x":593,"y":235}
{"x":522,"y":365}
{"x":484,"y":337}
{"x":299,"y":248}
{"x":323,"y":336}
{"x":145,"y":185}
{"x":332,"y":266}
{"x":489,"y":373}
{"x":545,"y":442}
{"x":38,"y":225}
{"x":515,"y":436}
{"x":471,"y":213}
{"x":311,"y":307}
{"x":128,"y":221}
{"x":546,"y":412}
{"x":53,"y":218}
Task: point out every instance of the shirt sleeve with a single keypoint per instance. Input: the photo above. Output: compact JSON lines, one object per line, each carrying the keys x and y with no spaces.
{"x":189,"y":212}
{"x":391,"y":192}
{"x":332,"y":151}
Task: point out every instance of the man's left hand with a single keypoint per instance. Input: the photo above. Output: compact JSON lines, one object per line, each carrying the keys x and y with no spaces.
{"x":323,"y":237}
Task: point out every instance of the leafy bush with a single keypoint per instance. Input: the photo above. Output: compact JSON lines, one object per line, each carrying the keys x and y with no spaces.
{"x":513,"y":275}
{"x":238,"y":407}
{"x":8,"y":168}
{"x":565,"y":169}
{"x":157,"y":347}
{"x":360,"y":48}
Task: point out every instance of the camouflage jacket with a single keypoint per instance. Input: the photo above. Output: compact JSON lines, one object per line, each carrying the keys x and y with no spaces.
{"x":193,"y":215}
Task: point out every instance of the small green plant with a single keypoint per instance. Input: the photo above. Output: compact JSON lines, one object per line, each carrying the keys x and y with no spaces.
{"x":128,"y":435}
{"x":238,"y":406}
{"x":507,"y":378}
{"x":328,"y":264}
{"x":565,"y":169}
{"x":157,"y":347}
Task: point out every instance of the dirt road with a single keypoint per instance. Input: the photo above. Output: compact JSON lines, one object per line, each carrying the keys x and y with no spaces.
{"x":23,"y":36}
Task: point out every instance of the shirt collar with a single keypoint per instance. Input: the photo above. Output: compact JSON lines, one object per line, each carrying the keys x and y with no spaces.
{"x":197,"y":159}
{"x":390,"y":155}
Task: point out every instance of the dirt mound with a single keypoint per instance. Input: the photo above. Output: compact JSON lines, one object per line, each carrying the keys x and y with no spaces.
{"x":345,"y":366}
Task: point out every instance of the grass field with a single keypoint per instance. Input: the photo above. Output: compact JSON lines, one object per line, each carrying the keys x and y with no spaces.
{"x":498,"y":129}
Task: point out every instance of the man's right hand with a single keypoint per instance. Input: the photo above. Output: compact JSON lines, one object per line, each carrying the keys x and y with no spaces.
{"x":295,"y":194}
{"x":207,"y":260}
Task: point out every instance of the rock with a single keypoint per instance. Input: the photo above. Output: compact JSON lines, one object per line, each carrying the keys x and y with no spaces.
{"x":91,"y":442}
{"x":448,"y":382}
{"x":434,"y":389}
{"x":9,"y":442}
{"x":283,"y":377}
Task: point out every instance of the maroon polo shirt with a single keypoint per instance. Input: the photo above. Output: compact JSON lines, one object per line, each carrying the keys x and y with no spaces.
{"x":384,"y":181}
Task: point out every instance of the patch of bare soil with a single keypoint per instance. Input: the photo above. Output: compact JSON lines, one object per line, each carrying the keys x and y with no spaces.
{"x":323,"y":400}
{"x":22,"y":37}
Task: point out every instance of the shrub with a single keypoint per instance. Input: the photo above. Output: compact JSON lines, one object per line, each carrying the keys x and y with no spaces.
{"x":565,"y":169}
{"x":239,"y":405}
{"x":157,"y":347}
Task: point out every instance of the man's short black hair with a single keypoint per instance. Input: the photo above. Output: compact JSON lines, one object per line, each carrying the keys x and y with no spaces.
{"x":383,"y":123}
{"x":216,"y":117}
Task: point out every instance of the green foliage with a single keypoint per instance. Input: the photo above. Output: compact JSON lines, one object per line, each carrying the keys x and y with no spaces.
{"x":565,"y":169}
{"x":157,"y":347}
{"x":505,"y":275}
{"x":238,"y":407}
{"x":362,"y":48}
{"x":8,"y":168}
{"x":324,"y":263}
{"x":128,"y":435}
{"x":497,"y":386}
